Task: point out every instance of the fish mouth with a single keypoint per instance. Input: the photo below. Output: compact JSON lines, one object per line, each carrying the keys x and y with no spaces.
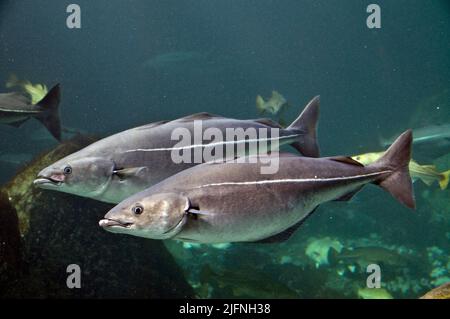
{"x":47,"y":182}
{"x":107,"y":223}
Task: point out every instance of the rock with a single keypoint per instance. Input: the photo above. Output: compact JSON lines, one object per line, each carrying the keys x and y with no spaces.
{"x":42,"y":232}
{"x":441,"y":292}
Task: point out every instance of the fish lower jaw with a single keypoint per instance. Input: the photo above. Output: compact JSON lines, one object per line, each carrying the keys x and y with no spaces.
{"x":111,"y":224}
{"x":47,"y":183}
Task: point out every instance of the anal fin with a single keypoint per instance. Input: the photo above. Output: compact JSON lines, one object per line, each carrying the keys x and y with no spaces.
{"x":198,"y":116}
{"x":18,"y":123}
{"x":346,"y":160}
{"x":285,"y":234}
{"x":348,"y":196}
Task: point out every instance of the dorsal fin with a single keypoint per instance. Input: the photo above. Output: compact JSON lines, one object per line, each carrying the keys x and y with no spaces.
{"x":268,"y":122}
{"x":199,"y":116}
{"x":346,"y":159}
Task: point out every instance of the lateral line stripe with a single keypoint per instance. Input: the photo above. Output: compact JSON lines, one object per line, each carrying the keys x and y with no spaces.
{"x":19,"y":111}
{"x":299,"y":180}
{"x":207,"y":145}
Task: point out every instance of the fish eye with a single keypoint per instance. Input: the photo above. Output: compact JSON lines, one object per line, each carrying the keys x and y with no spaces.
{"x":138,"y":209}
{"x":67,"y":170}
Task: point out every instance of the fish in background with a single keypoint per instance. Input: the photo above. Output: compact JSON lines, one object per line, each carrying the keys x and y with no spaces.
{"x":17,"y":107}
{"x":430,"y":142}
{"x":35,"y":91}
{"x":318,"y":249}
{"x":234,"y":202}
{"x":426,"y":173}
{"x":128,"y":162}
{"x":274,"y":105}
{"x":364,"y":256}
{"x":245,"y":283}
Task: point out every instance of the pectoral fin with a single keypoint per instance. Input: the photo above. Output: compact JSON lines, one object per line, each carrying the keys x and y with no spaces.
{"x":130,"y":172}
{"x":194,"y":211}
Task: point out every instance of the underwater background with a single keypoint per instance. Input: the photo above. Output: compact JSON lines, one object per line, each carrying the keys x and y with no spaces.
{"x":136,"y":62}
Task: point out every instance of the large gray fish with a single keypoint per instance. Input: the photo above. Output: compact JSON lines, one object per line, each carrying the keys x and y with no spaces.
{"x":233,"y":202}
{"x":430,"y":142}
{"x":16,"y":108}
{"x":123,"y":164}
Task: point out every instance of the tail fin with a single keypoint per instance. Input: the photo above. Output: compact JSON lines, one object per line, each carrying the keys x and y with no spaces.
{"x":50,"y":112}
{"x":307,"y":122}
{"x":443,"y":183}
{"x":396,"y":159}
